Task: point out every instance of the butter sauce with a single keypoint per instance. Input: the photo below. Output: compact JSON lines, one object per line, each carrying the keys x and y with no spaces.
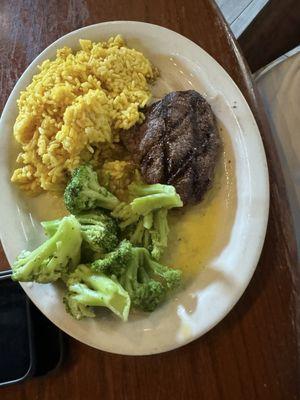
{"x":199,"y":233}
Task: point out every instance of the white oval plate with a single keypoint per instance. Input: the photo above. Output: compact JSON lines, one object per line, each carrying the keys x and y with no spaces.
{"x":205,"y":301}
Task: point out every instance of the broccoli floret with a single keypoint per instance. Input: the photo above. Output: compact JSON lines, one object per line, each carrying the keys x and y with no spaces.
{"x":146,"y":281}
{"x":170,"y":277}
{"x":88,"y":289}
{"x":77,"y":309}
{"x":152,"y":197}
{"x":145,"y":220}
{"x":116,"y":262}
{"x":99,"y":232}
{"x":147,"y":296}
{"x":54,"y":258}
{"x":145,"y":293}
{"x":84,"y":192}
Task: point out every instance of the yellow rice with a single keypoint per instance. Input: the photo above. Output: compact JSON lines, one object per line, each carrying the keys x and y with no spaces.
{"x":73,"y":111}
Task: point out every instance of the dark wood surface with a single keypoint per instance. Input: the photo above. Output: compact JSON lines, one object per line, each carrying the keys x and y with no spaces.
{"x":273,"y":32}
{"x":254,"y":352}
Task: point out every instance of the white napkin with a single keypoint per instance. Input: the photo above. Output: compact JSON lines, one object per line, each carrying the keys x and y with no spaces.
{"x":279,"y":86}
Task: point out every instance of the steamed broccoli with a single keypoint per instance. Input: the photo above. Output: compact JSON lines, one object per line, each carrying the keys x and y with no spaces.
{"x":111,"y":274}
{"x":145,"y":219}
{"x":116,"y":261}
{"x":146,"y":281}
{"x":152,"y":197}
{"x":53,"y":258}
{"x":83,"y":192}
{"x":151,"y":232}
{"x":145,"y":292}
{"x":88,"y":289}
{"x":159,"y":233}
{"x":99,"y":231}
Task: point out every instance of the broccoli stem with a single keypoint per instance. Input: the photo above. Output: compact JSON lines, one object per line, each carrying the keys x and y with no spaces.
{"x":139,"y":190}
{"x":50,"y":227}
{"x":148,"y":220}
{"x":102,"y":197}
{"x":159,"y":233}
{"x":137,"y":236}
{"x":152,"y":197}
{"x":144,"y":205}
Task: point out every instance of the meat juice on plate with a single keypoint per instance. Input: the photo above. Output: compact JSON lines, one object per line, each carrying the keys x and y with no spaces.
{"x":198,"y":233}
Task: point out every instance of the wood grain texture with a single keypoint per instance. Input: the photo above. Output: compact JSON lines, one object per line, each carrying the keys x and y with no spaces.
{"x":254,"y":352}
{"x":273,"y":32}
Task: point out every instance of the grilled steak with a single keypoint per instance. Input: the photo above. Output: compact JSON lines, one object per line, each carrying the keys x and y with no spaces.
{"x":177,"y":144}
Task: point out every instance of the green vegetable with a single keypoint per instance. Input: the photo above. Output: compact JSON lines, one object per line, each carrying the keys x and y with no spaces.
{"x":99,"y":231}
{"x":83,"y":192}
{"x":54,"y":258}
{"x":153,"y":197}
{"x":146,"y":281}
{"x":111,"y":274}
{"x":88,"y":289}
{"x":114,"y":261}
{"x":159,"y":233}
{"x":145,"y":219}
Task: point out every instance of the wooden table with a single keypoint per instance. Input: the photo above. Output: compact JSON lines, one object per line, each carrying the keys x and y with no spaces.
{"x":254,"y":352}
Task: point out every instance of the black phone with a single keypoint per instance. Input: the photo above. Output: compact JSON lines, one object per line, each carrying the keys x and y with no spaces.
{"x":16,"y":347}
{"x":30,"y":345}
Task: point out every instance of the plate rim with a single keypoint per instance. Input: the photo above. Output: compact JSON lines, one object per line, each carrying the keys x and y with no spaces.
{"x":265,"y":212}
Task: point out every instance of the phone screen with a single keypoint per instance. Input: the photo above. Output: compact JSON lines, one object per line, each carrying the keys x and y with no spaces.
{"x":15,"y":346}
